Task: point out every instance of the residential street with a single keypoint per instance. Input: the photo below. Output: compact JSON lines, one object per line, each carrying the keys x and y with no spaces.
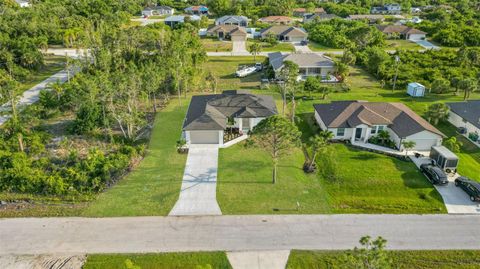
{"x":234,"y":233}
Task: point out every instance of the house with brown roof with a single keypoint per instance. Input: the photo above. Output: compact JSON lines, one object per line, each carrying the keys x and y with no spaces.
{"x":232,"y":32}
{"x":285,"y":33}
{"x":402,"y":32}
{"x":301,"y":11}
{"x":279,"y":20}
{"x":358,"y":121}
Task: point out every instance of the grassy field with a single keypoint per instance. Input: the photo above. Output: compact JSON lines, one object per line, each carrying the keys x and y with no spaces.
{"x":194,"y":260}
{"x":280,"y":46}
{"x":224,"y":68}
{"x":153,"y":187}
{"x":317,"y":47}
{"x":215,"y":45}
{"x":402,"y":44}
{"x":53,"y":64}
{"x":439,"y":259}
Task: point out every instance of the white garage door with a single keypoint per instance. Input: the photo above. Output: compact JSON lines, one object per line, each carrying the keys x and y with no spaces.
{"x":204,"y":137}
{"x":425,"y":144}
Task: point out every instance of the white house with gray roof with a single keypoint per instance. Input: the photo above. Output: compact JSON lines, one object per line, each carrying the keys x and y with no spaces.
{"x":232,"y":20}
{"x":214,"y":118}
{"x":466,"y":115}
{"x":175,"y":20}
{"x":309,"y":64}
{"x":157,"y":11}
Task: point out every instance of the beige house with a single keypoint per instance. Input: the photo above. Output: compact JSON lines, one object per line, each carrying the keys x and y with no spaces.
{"x":232,"y":32}
{"x":402,"y":32}
{"x":279,"y":20}
{"x":285,"y":33}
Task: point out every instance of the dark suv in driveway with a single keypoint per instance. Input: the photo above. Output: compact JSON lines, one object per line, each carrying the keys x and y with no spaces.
{"x":471,"y":187}
{"x":434,"y":174}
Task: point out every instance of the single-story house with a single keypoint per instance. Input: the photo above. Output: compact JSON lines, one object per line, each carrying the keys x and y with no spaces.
{"x":209,"y":116}
{"x":309,"y":64}
{"x":175,"y":20}
{"x":280,"y":20}
{"x":403,"y":32}
{"x":370,"y":18}
{"x":157,"y":11}
{"x":318,"y":17}
{"x":301,"y":11}
{"x":393,"y":8}
{"x":232,"y":20}
{"x":285,"y":33}
{"x":415,"y":89}
{"x":197,"y":10}
{"x":466,"y":115}
{"x":232,"y":32}
{"x":23,"y":3}
{"x":360,"y":120}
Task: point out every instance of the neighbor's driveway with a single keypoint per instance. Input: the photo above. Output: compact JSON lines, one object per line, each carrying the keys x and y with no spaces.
{"x":199,"y":185}
{"x":302,"y":49}
{"x":239,"y":46}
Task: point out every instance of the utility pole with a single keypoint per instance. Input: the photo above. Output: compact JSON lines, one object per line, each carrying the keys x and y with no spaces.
{"x":397,"y":61}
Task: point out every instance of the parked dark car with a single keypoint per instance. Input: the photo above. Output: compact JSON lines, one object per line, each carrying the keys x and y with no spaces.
{"x":304,"y":43}
{"x":434,"y":174}
{"x":472,"y":188}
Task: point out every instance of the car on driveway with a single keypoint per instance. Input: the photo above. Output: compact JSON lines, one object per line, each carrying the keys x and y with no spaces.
{"x":434,"y":174}
{"x":472,"y":188}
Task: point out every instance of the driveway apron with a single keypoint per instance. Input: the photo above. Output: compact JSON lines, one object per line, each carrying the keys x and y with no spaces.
{"x":199,"y":185}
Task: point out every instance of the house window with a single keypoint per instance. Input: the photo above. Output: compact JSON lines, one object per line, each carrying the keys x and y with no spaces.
{"x":374,"y":130}
{"x":380,"y":128}
{"x":340,"y":131}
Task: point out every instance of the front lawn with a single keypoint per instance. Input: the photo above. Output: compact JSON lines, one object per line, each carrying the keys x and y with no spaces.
{"x":153,"y":187}
{"x":187,"y":260}
{"x":424,"y":259}
{"x":280,"y":46}
{"x":215,"y":45}
{"x":402,"y":44}
{"x":317,"y":47}
{"x":224,"y":69}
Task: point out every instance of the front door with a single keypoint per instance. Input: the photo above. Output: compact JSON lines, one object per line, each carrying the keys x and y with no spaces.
{"x":245,"y":124}
{"x":358,"y":133}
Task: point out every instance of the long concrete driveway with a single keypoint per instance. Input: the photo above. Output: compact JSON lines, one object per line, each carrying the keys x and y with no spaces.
{"x":199,"y":185}
{"x":234,"y":233}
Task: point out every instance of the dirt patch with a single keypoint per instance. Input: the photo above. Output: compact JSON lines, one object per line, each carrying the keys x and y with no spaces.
{"x":42,"y":261}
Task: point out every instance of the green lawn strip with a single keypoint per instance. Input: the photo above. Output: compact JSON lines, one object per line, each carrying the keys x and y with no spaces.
{"x":368,"y":182}
{"x":425,"y":259}
{"x":280,"y":46}
{"x":317,"y":47}
{"x":402,"y":44}
{"x":187,"y":260}
{"x":215,"y":45}
{"x":153,"y":187}
{"x":225,"y":67}
{"x":53,"y":65}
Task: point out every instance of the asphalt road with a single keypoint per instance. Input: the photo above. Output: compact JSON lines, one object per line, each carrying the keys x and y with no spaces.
{"x":234,"y":233}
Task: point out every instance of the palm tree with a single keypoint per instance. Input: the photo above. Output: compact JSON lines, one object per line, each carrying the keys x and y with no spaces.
{"x":408,"y":145}
{"x":437,"y":112}
{"x":468,"y":86}
{"x":212,"y":80}
{"x":453,"y":144}
{"x":318,"y":144}
{"x":384,"y":136}
{"x":255,"y":49}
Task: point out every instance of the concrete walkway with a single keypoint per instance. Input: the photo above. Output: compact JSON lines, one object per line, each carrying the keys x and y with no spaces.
{"x":234,"y":233}
{"x":239,"y":47}
{"x":198,"y":195}
{"x":259,"y":259}
{"x":299,"y":48}
{"x":42,"y":261}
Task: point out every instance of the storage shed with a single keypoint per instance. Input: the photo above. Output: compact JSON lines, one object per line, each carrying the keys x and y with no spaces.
{"x":415,"y":89}
{"x":444,"y":158}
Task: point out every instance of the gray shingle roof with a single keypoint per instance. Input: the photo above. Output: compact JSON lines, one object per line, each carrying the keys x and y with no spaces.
{"x":231,"y":18}
{"x":276,"y":59}
{"x":210,"y":112}
{"x":398,"y":117}
{"x":469,"y":110}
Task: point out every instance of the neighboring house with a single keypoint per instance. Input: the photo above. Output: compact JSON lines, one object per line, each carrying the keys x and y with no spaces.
{"x":370,"y":18}
{"x":357,"y":121}
{"x":280,"y":20}
{"x":232,"y":32}
{"x":466,"y":115}
{"x":402,"y":32}
{"x":232,"y":20}
{"x":309,"y":64}
{"x":157,"y":11}
{"x":210,"y":116}
{"x":285,"y":33}
{"x":318,"y":17}
{"x":23,"y":3}
{"x":197,"y":10}
{"x":300,"y":12}
{"x":173,"y":21}
{"x":415,"y":89}
{"x":387,"y":9}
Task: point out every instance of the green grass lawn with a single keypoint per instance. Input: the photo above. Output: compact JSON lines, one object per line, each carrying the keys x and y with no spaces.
{"x":187,"y":260}
{"x":153,"y":187}
{"x":280,"y":46}
{"x":439,"y":259}
{"x":224,"y":68}
{"x":402,"y":44}
{"x":215,"y":45}
{"x":317,"y":47}
{"x":53,"y":64}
